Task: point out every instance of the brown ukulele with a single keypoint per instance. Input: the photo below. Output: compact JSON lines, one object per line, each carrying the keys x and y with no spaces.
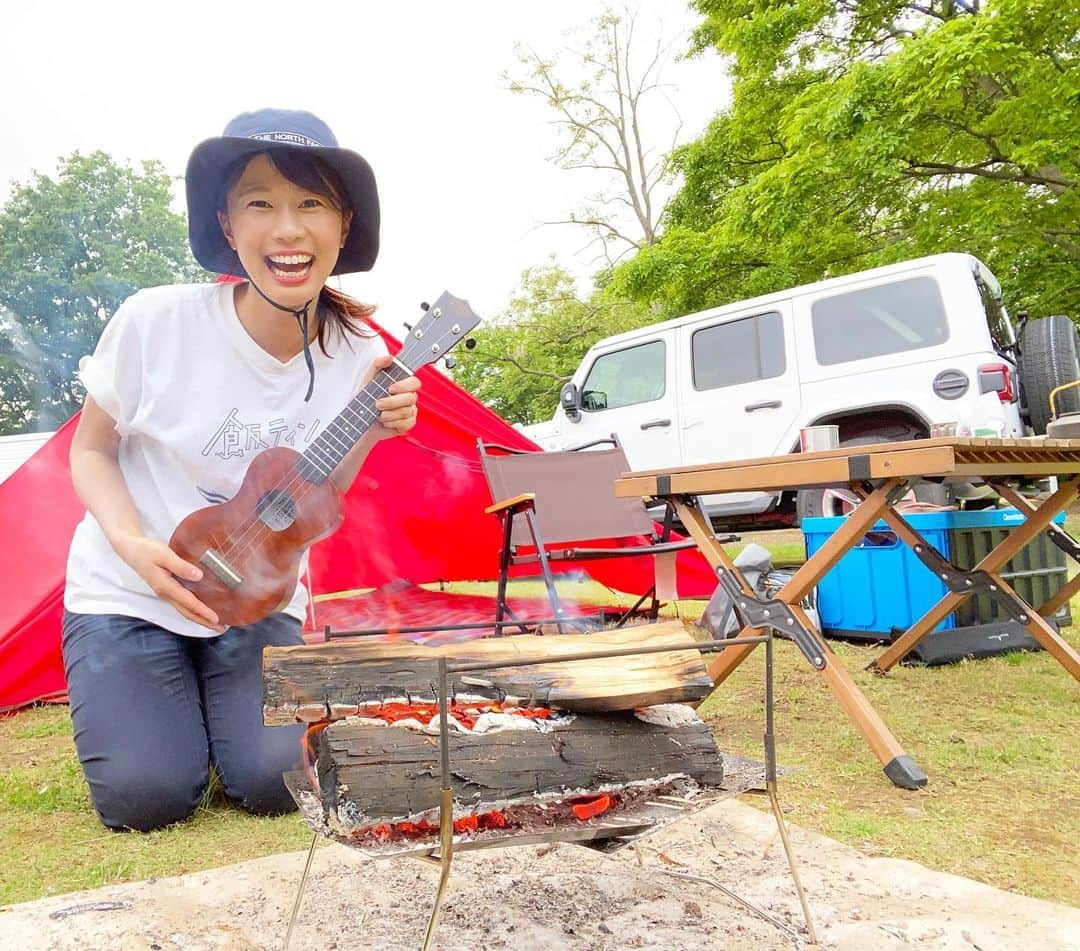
{"x":249,"y":548}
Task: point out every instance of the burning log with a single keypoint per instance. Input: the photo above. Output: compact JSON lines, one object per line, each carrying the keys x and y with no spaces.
{"x":330,"y":681}
{"x":379,"y":783}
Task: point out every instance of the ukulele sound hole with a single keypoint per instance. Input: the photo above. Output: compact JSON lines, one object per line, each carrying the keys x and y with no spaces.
{"x":277,"y":510}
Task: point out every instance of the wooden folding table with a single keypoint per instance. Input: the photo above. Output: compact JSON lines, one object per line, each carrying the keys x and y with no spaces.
{"x":880,"y":475}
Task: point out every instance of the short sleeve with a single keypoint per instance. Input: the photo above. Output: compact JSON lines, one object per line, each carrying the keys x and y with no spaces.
{"x":374,"y":348}
{"x":113,"y":374}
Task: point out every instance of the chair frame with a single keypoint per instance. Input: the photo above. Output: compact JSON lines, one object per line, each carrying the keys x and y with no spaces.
{"x":523,"y":506}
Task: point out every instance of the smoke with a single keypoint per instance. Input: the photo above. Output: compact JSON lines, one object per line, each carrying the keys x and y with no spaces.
{"x":36,"y":384}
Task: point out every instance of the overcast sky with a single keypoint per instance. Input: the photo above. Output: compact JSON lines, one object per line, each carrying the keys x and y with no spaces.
{"x":415,"y":87}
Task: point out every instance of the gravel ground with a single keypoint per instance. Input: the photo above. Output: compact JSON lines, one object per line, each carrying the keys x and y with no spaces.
{"x":559,"y":897}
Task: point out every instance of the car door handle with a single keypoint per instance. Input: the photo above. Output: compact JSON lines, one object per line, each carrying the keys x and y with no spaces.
{"x":764,"y":404}
{"x":656,"y":424}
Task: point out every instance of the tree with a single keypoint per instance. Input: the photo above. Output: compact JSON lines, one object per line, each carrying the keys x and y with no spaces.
{"x":71,"y":249}
{"x":603,"y":116}
{"x":870,"y":131}
{"x":521,"y":360}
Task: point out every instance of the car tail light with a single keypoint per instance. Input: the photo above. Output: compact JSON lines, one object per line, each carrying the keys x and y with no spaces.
{"x":997,"y":378}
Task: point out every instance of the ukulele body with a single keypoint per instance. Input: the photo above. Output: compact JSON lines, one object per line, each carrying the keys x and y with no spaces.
{"x":249,"y":548}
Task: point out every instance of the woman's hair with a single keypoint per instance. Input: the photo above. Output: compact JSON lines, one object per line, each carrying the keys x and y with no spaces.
{"x":334,"y":311}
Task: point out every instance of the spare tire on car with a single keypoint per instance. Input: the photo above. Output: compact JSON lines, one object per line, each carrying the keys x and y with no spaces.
{"x":1049,"y":357}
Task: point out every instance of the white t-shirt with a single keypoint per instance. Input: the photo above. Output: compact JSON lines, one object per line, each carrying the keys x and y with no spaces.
{"x":195,"y":398}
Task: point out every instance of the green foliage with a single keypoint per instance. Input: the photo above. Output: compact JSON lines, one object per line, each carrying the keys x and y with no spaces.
{"x":522,"y":359}
{"x":875,"y":131}
{"x":71,"y":249}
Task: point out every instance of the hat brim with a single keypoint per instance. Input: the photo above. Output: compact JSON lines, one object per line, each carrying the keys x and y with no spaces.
{"x":203,"y":178}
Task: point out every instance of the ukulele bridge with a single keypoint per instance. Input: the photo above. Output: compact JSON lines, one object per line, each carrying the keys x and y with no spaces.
{"x":221,"y":569}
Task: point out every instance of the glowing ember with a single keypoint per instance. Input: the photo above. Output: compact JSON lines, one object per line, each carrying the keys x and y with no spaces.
{"x":520,"y":816}
{"x":387,"y":831}
{"x":590,"y":807}
{"x":465,"y":713}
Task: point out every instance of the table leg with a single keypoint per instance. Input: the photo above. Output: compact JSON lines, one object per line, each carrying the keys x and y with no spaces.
{"x":898,"y":766}
{"x":700,"y":529}
{"x":853,"y":529}
{"x":1064,"y":594}
{"x":1037,"y":521}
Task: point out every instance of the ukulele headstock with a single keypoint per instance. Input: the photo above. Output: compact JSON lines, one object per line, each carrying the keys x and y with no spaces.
{"x":445,"y":323}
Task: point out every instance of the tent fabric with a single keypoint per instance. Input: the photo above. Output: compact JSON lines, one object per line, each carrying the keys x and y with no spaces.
{"x":38,"y":512}
{"x":415,"y":512}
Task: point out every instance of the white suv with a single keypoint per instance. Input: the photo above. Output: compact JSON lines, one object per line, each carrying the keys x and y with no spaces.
{"x":882,"y":353}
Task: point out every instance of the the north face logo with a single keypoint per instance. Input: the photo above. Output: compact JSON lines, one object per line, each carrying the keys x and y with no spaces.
{"x":293,"y":138}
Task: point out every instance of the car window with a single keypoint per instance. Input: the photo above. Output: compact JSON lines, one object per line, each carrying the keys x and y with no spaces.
{"x":997,"y":318}
{"x":625,"y":377}
{"x":739,"y":351}
{"x":891,"y":318}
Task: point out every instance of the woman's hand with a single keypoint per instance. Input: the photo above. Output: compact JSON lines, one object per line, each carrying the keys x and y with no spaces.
{"x":100,"y":485}
{"x":397,"y":411}
{"x":160,"y":567}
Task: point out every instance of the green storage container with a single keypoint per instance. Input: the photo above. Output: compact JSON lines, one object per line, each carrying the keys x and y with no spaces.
{"x":1037,"y":573}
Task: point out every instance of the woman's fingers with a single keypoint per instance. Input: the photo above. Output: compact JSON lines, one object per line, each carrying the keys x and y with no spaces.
{"x":182,"y":569}
{"x":169,"y":589}
{"x":398,"y":410}
{"x":160,"y":567}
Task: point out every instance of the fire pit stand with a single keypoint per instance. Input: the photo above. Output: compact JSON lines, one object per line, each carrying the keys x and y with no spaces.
{"x":616,"y":829}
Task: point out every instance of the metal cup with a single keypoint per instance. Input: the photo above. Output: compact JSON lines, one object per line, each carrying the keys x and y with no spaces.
{"x":817,"y":438}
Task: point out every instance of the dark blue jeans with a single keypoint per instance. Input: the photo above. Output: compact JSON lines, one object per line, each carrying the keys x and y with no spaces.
{"x":152,"y":710}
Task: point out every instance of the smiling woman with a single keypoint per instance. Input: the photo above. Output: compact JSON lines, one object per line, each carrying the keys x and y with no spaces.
{"x":186,"y":386}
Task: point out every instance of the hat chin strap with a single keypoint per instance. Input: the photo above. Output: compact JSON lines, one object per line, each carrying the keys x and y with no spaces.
{"x":301,"y":315}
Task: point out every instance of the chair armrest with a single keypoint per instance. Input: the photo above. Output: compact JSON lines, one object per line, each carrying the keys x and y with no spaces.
{"x":515,"y":502}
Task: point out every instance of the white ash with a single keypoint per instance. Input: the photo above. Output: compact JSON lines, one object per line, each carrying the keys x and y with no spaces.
{"x":668,"y":714}
{"x":488,"y":722}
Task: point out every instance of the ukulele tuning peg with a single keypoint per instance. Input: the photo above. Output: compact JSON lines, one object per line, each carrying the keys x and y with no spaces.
{"x":450,"y":363}
{"x":424,"y":305}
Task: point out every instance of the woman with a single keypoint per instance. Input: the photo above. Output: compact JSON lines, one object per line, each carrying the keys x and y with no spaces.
{"x":186,"y":385}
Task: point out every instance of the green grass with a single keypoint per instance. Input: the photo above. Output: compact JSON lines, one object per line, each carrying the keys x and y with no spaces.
{"x":997,"y":738}
{"x":53,"y":842}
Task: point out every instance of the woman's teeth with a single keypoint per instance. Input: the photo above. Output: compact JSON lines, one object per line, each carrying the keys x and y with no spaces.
{"x":290,"y":265}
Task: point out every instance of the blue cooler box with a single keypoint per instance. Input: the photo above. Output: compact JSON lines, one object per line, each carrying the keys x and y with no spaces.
{"x":880,"y":588}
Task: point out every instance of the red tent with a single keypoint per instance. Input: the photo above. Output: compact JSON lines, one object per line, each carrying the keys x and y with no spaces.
{"x":415,"y":512}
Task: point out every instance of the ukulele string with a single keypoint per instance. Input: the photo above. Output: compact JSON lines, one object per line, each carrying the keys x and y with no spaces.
{"x":248,"y":534}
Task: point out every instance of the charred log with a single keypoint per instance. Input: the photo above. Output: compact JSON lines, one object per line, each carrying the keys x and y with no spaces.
{"x":330,"y":681}
{"x":370,"y":775}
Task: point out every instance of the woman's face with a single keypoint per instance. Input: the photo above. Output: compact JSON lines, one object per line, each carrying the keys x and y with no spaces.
{"x":286,"y":236}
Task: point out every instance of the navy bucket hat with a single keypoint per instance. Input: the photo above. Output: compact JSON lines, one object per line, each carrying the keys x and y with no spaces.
{"x":254,"y":132}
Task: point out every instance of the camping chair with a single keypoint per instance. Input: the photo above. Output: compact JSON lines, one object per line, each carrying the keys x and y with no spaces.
{"x":548,"y":501}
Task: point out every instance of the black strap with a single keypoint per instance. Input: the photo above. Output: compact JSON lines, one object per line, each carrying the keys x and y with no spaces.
{"x":301,"y":315}
{"x":303,"y":325}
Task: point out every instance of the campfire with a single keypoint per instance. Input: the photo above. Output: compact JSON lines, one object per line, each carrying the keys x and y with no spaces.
{"x":417,"y":750}
{"x":567,"y":750}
